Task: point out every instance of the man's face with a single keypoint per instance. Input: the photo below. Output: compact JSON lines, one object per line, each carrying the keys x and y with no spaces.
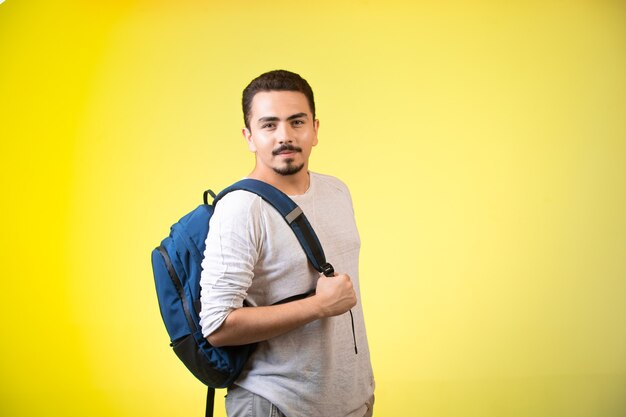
{"x":282,"y":131}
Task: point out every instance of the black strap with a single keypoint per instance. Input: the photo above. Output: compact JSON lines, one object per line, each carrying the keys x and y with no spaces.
{"x":304,"y":232}
{"x":294,"y":298}
{"x":206,"y":194}
{"x":210,"y":399}
{"x":178,"y":285}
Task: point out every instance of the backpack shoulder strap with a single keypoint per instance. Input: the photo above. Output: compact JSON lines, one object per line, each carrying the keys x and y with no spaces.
{"x":292,"y":214}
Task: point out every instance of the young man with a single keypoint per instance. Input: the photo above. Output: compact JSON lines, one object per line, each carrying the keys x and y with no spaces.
{"x":306,"y":362}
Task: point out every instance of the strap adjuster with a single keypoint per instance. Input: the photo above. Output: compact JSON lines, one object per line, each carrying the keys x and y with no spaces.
{"x":328,"y":270}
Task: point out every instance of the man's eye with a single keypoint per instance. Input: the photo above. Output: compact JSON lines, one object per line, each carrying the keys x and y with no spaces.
{"x":298,"y":122}
{"x":267,"y":126}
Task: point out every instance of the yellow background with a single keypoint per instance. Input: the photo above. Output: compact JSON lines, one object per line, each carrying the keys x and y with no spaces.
{"x":484,"y":144}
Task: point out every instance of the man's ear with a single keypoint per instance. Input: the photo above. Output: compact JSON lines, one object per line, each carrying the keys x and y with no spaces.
{"x":248,"y":137}
{"x":316,"y":126}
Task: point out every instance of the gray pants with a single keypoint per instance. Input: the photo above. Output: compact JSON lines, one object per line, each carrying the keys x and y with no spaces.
{"x":242,"y":403}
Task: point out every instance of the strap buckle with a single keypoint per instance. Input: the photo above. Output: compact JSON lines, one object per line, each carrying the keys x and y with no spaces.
{"x":328,"y":270}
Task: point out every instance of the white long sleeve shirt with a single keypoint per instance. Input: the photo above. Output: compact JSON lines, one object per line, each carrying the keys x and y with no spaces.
{"x":252,"y":254}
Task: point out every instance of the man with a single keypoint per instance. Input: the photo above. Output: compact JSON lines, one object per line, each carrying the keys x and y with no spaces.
{"x":306,"y":362}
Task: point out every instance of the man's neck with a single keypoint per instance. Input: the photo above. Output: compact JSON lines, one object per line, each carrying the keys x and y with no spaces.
{"x":295,"y":184}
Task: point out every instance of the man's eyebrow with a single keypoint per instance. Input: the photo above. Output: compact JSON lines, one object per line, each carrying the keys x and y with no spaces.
{"x":268,"y":119}
{"x":296,"y":116}
{"x":276,"y":119}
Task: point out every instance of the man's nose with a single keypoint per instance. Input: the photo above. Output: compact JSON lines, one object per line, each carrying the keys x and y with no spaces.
{"x":284,"y":133}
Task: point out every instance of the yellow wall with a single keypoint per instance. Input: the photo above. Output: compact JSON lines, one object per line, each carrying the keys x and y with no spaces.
{"x":484,"y":143}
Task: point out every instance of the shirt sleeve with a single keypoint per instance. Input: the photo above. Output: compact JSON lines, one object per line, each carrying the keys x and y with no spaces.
{"x":229,"y":258}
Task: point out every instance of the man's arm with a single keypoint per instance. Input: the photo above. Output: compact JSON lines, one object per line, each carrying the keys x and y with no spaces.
{"x":333,"y":296}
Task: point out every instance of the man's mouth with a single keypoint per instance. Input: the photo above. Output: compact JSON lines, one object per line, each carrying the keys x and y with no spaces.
{"x":286,"y":150}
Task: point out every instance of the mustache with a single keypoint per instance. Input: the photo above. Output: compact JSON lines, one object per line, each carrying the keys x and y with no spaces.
{"x":286,"y":147}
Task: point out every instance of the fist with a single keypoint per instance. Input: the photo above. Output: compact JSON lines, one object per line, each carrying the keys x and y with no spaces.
{"x":335,"y":295}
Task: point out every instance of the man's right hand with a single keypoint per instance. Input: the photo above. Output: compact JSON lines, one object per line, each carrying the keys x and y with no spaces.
{"x":335,"y":295}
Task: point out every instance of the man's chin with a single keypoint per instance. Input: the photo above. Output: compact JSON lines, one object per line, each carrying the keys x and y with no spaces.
{"x":288,"y":169}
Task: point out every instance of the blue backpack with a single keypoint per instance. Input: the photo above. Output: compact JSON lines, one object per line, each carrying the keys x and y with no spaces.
{"x":176,"y":265}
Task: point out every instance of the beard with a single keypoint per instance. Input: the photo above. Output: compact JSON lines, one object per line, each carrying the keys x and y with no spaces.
{"x":288,"y":169}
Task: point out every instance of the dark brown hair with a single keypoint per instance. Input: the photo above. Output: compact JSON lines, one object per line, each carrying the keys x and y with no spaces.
{"x":277,"y":80}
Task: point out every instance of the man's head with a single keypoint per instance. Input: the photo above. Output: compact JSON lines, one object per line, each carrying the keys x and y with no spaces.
{"x":277,"y":80}
{"x":280,"y":121}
